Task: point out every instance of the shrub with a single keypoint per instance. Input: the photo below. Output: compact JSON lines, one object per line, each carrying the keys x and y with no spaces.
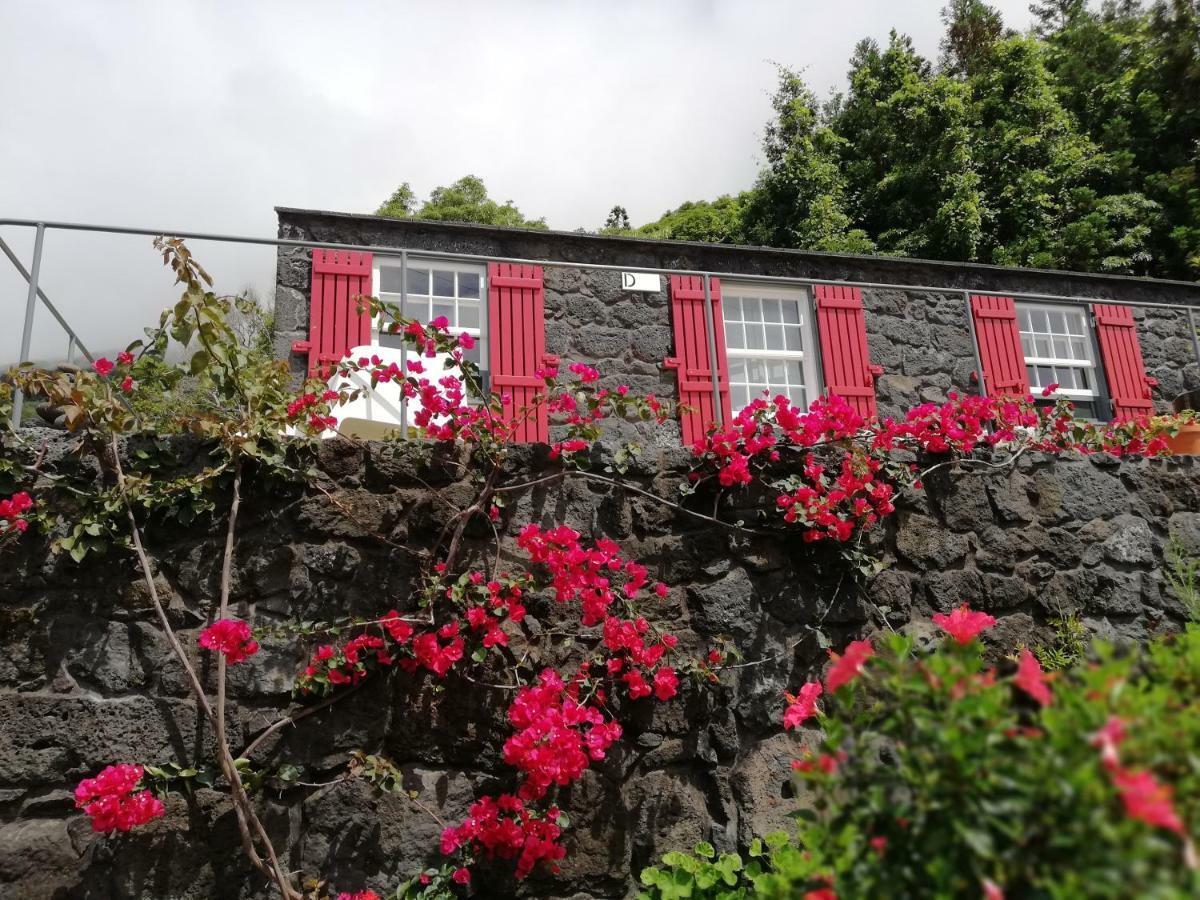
{"x":939,"y":776}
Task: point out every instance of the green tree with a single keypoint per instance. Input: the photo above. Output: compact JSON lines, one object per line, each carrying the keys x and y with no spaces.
{"x":906,"y":151}
{"x":716,"y":222}
{"x":617,"y":221}
{"x":800,"y":197}
{"x":466,"y":200}
{"x":972,"y":29}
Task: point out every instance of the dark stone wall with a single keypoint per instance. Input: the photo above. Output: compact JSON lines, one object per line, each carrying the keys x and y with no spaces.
{"x":920,"y":335}
{"x":86,"y":678}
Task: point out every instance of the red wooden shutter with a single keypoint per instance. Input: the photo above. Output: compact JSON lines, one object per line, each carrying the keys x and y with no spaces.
{"x":1128,"y":383}
{"x":335,"y":324}
{"x":517,"y":342}
{"x":1000,"y":350}
{"x":847,"y":362}
{"x":691,"y":359}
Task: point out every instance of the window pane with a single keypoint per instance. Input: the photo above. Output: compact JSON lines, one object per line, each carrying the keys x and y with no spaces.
{"x":1045,"y":375}
{"x":740,"y":396}
{"x":792,"y":336}
{"x":791,"y":312}
{"x":1075,"y":323}
{"x":1041,"y":346}
{"x":444,"y":309}
{"x":775,"y":371}
{"x":1023,"y":318}
{"x":1058,"y":323}
{"x":751,"y":309}
{"x":737,"y":369}
{"x":390,"y":281}
{"x":443,"y":283}
{"x":733,"y":309}
{"x":794,"y":373}
{"x":1027,"y":345}
{"x":1037,"y":318}
{"x":796,"y":395}
{"x":771,"y":310}
{"x":1062,"y":348}
{"x":774,"y":337}
{"x":468,"y":315}
{"x":735,"y":336}
{"x":754,"y":336}
{"x":468,"y":284}
{"x":1078,"y":348}
{"x":756,"y":370}
{"x":1031,"y":374}
{"x":418,"y":281}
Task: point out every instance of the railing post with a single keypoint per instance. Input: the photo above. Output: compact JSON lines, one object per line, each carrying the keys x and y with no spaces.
{"x":71,"y":350}
{"x":30,"y":306}
{"x":404,"y":364}
{"x":718,"y":413}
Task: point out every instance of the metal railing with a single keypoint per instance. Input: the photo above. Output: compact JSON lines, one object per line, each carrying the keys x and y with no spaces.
{"x":41,"y":227}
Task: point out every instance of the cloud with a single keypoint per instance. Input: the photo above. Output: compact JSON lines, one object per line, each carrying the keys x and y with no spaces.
{"x":205,"y":116}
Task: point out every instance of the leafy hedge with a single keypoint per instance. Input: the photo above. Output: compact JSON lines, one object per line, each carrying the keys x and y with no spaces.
{"x":939,"y":776}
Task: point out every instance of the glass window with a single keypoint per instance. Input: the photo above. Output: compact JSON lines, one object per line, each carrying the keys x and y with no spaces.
{"x":455,"y":292}
{"x":1058,"y":350}
{"x":766,"y":336}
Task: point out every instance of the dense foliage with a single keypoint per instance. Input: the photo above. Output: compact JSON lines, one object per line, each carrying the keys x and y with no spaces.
{"x":1076,"y":146}
{"x":937,"y":775}
{"x":466,"y":200}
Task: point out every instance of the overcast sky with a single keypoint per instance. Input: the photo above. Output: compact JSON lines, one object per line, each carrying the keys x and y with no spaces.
{"x":205,"y":115}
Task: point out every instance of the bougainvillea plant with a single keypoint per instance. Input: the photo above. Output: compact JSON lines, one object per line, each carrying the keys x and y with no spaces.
{"x":934,"y":774}
{"x":825,"y":473}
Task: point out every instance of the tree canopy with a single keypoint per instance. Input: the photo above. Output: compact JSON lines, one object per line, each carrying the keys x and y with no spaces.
{"x":1074,"y":146}
{"x":466,"y":200}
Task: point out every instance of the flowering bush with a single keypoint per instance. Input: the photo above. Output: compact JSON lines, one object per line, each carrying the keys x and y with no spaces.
{"x":939,"y":775}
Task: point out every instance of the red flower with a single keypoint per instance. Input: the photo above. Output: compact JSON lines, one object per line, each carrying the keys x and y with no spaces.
{"x":231,"y":638}
{"x":127,"y":384}
{"x":849,"y":665}
{"x":666,"y":683}
{"x":963,"y":624}
{"x":461,"y":876}
{"x":103,"y":366}
{"x":1031,"y":679}
{"x":821,"y":894}
{"x":112,"y":800}
{"x":125,"y":357}
{"x":358,"y":895}
{"x":991,"y":890}
{"x":1147,"y":800}
{"x":803,"y":706}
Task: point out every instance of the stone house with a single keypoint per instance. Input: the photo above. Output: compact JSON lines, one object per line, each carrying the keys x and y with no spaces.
{"x":885,"y":333}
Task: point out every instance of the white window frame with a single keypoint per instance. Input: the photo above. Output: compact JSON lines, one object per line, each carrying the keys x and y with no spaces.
{"x":1093,"y":395}
{"x":806,"y":356}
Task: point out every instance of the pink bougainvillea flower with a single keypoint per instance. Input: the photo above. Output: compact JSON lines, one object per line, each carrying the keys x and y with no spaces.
{"x":112,"y":800}
{"x":1108,"y":738}
{"x":1031,"y":679}
{"x":802,"y":706}
{"x":666,"y":683}
{"x":125,"y":357}
{"x":964,"y":623}
{"x":849,"y":665}
{"x":231,"y":638}
{"x":824,"y":893}
{"x":103,"y":366}
{"x":1049,"y":389}
{"x":461,"y":876}
{"x":1147,"y":799}
{"x":358,"y":895}
{"x":991,"y":890}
